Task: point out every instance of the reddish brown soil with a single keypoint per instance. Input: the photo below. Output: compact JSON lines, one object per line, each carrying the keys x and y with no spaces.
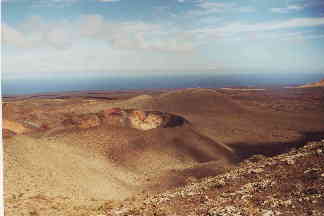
{"x":52,"y":169}
{"x":313,"y":85}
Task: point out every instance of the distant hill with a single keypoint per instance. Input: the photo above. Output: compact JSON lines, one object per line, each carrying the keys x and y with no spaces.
{"x":314,"y":84}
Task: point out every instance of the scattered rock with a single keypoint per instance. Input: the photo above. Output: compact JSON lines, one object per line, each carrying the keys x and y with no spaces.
{"x":311,"y":174}
{"x":255,"y":171}
{"x":257,"y":158}
{"x":218,"y":184}
{"x":7,"y":133}
{"x":14,"y":126}
{"x":114,"y":116}
{"x":290,"y":161}
{"x":140,"y":119}
{"x":225,"y":211}
{"x":85,"y":121}
{"x":145,"y":120}
{"x":270,"y":213}
{"x":286,"y":203}
{"x":311,"y":191}
{"x":32,"y":124}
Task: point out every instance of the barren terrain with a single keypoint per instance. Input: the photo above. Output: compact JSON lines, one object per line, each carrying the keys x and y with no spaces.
{"x":167,"y":152}
{"x":313,"y":85}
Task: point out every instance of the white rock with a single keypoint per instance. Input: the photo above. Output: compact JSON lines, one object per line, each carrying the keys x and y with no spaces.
{"x":290,"y":162}
{"x":270,"y":213}
{"x":256,"y":171}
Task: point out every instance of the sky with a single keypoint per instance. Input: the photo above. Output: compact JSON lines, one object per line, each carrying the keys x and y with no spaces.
{"x":81,"y":38}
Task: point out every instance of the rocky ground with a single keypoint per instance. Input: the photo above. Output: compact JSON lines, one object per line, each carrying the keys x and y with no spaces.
{"x":286,"y":184}
{"x":312,"y":85}
{"x":177,"y":152}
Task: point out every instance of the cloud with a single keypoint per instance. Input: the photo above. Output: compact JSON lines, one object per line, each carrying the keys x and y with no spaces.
{"x":59,"y":34}
{"x":96,"y":59}
{"x":135,"y":35}
{"x":280,"y":36}
{"x":11,"y":36}
{"x":35,"y":33}
{"x":212,"y":7}
{"x":46,"y":3}
{"x":247,"y":9}
{"x":108,"y":0}
{"x":298,"y":5}
{"x":53,"y":3}
{"x":236,"y":28}
{"x":205,"y":8}
{"x":288,"y":9}
{"x":312,"y":3}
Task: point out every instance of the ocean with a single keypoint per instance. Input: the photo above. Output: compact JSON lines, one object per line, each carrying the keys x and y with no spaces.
{"x":46,"y":85}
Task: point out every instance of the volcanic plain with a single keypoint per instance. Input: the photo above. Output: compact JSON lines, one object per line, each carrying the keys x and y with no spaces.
{"x":98,"y":152}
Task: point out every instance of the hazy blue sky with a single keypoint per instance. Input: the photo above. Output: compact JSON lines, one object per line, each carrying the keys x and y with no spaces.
{"x":47,"y":38}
